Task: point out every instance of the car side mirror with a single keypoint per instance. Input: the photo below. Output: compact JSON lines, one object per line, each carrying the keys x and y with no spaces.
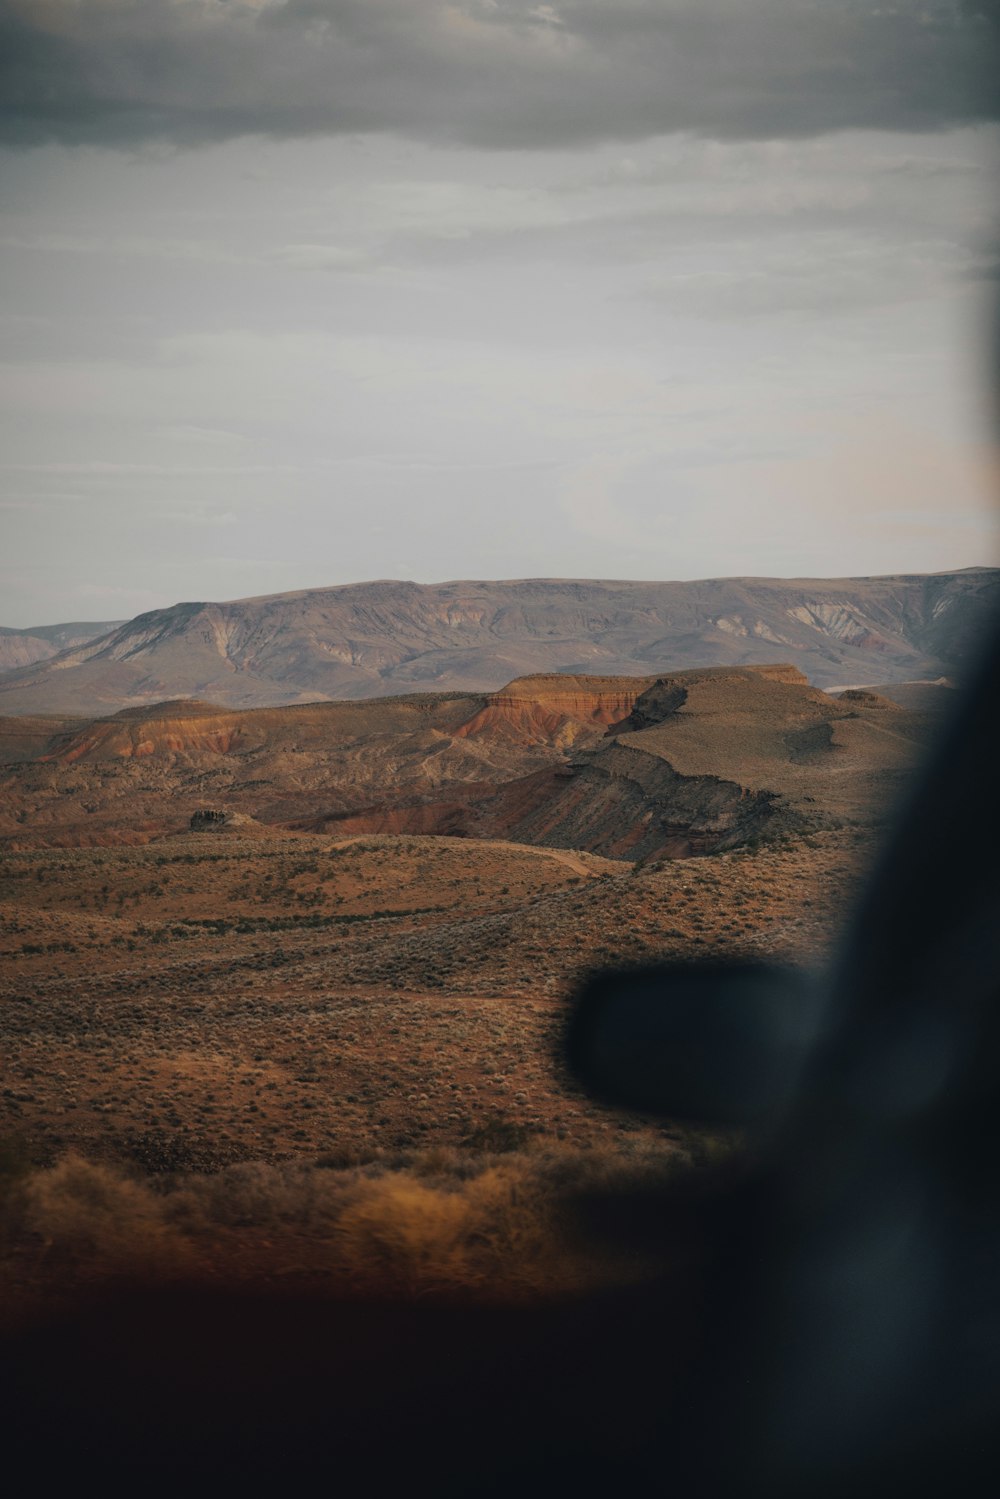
{"x":715,"y":1042}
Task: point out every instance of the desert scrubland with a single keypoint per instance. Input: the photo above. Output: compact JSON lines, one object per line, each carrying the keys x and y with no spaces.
{"x":312,"y":1038}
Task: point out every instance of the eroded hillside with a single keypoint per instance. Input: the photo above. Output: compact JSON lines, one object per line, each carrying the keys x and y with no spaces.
{"x":625,"y":767}
{"x":364,"y":640}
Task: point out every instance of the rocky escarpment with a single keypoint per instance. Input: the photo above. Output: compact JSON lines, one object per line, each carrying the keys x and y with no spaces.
{"x":556,"y":709}
{"x":626,"y":804}
{"x":689,"y":762}
{"x":219,"y":820}
{"x":622,"y":804}
{"x":704,"y":760}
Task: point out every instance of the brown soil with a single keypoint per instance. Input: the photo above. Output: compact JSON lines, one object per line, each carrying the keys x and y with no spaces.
{"x":338,"y":1026}
{"x":205,"y":1000}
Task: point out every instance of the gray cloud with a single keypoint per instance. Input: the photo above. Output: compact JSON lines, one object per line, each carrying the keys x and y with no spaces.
{"x":489,"y":73}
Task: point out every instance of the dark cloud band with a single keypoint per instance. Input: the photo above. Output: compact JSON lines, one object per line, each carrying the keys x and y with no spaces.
{"x":489,"y":73}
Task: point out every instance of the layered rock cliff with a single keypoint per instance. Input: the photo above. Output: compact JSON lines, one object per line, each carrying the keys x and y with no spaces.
{"x":685,"y":763}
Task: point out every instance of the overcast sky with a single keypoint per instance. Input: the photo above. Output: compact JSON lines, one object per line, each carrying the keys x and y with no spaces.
{"x":302,"y":292}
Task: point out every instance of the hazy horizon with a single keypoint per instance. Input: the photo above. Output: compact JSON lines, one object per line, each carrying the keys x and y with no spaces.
{"x":659,"y":292}
{"x":475,"y":582}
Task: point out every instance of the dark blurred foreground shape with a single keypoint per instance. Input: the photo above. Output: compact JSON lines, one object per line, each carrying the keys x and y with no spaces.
{"x":862,"y":1350}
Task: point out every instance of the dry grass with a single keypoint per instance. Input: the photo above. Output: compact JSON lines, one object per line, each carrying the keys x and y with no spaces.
{"x":225,"y":1002}
{"x":310,"y":1062}
{"x":177,"y":1038}
{"x":439,"y":1222}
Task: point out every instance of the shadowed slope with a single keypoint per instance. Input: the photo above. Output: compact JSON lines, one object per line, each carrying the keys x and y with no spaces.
{"x":709,"y":759}
{"x":704,"y":760}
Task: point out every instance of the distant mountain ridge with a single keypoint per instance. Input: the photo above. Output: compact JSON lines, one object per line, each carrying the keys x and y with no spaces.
{"x":38,"y":642}
{"x":373,"y":639}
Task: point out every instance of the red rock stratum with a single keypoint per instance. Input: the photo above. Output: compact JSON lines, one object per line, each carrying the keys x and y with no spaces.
{"x":685,"y":762}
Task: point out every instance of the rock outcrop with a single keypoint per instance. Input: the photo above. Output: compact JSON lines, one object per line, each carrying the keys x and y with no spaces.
{"x":219,"y":820}
{"x":556,"y":709}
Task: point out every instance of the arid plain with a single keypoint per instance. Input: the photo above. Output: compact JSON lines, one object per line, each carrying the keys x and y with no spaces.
{"x":283,"y":988}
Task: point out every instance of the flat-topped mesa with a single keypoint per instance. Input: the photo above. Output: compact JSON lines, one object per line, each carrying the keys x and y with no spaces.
{"x":667,"y":694}
{"x":555,"y":708}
